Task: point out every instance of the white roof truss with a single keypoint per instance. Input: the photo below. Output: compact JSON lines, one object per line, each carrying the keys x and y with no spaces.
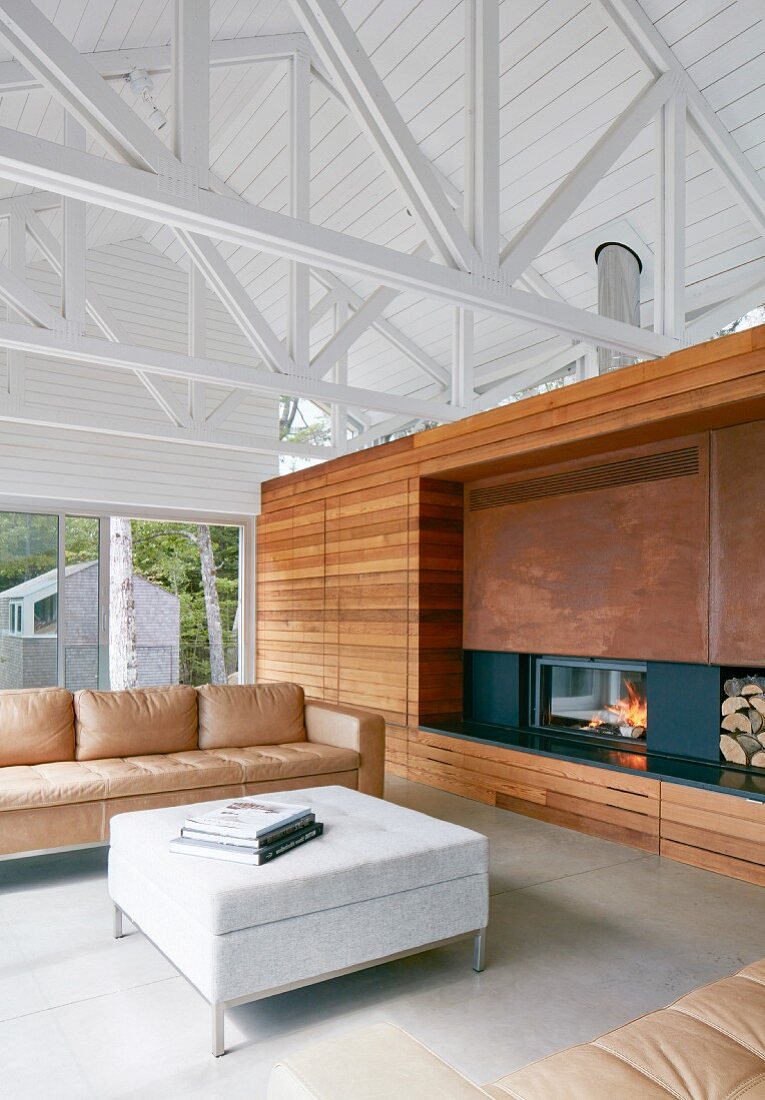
{"x":467,"y":263}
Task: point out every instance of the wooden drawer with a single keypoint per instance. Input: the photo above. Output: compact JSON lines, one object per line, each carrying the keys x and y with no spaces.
{"x":719,"y":832}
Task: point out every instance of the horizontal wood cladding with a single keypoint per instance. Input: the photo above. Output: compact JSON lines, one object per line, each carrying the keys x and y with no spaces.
{"x":360,"y":597}
{"x":611,"y":564}
{"x":438,"y":512}
{"x":717,"y":832}
{"x":619,"y":806}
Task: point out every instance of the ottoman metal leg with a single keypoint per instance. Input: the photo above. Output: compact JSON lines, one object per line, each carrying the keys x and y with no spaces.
{"x":218,"y":1042}
{"x":117,"y":923}
{"x":479,"y":952}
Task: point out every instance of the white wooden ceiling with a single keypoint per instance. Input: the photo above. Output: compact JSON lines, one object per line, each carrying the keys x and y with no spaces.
{"x":565,"y":76}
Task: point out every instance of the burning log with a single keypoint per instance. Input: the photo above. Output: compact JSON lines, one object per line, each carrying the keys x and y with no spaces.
{"x":743,"y":721}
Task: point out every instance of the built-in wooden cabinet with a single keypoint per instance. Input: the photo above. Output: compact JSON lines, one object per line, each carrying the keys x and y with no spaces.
{"x":719,"y":832}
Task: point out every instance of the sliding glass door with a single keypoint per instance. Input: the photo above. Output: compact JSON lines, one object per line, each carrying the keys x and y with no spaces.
{"x":145,"y":602}
{"x":28,"y":600}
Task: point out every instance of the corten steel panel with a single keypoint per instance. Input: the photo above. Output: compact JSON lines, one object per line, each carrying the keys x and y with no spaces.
{"x":738,"y":546}
{"x":620,"y":571}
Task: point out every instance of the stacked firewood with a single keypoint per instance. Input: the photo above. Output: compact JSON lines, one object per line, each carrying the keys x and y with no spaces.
{"x":743,"y":721}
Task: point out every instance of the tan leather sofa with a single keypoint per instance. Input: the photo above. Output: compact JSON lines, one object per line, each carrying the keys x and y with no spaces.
{"x":709,"y":1045}
{"x":69,"y":763}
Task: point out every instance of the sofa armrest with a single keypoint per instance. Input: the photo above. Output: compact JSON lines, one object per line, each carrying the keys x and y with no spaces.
{"x":379,"y":1063}
{"x":348,"y":728}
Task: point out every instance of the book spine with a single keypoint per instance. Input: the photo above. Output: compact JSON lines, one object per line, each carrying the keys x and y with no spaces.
{"x":289,"y":844}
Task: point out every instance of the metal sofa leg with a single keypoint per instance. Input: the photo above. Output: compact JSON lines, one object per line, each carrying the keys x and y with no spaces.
{"x":218,"y":1041}
{"x":117,"y":923}
{"x":479,"y":951}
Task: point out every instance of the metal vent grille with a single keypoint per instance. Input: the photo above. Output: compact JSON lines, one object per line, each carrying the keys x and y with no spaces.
{"x":629,"y":471}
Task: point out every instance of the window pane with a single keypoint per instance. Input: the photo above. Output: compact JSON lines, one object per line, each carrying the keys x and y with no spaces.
{"x":173,"y":603}
{"x":80,"y":622}
{"x":28,"y":600}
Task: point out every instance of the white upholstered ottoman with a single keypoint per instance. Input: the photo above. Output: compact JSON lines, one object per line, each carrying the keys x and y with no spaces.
{"x":382,"y":882}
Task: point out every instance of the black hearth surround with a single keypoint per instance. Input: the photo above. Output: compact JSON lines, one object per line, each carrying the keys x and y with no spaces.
{"x":683,"y":703}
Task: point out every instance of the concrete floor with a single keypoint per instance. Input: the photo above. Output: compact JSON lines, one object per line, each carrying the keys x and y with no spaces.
{"x":584,"y":935}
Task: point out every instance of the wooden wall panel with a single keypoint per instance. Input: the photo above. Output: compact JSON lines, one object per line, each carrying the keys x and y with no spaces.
{"x":616,"y":805}
{"x":371,"y":556}
{"x":715,"y":831}
{"x":437,"y":583}
{"x":290,"y":604}
{"x":738,"y":538}
{"x":617,"y":571}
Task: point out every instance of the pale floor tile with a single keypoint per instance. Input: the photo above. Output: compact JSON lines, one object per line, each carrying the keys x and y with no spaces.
{"x":584,"y":935}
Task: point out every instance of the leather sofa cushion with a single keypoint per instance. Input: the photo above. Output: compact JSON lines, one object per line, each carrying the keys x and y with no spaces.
{"x":244,"y":715}
{"x":75,"y":781}
{"x":135,"y":723}
{"x":289,"y":761}
{"x":36,"y":726}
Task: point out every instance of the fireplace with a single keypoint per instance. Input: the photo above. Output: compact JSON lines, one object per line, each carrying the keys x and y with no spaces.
{"x":585,"y":697}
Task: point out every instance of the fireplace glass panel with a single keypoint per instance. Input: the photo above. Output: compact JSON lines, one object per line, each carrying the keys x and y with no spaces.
{"x":601,"y":699}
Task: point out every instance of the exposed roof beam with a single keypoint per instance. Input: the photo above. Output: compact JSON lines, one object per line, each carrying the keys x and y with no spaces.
{"x":706,"y":324}
{"x":19,"y":295}
{"x":652,"y":50}
{"x":351,"y":329}
{"x":114,"y":64}
{"x":392,"y":334}
{"x":356,"y":324}
{"x":367,"y":97}
{"x":84,"y":94}
{"x":669,"y":254}
{"x":482,"y":127}
{"x":57,"y":346}
{"x":32,"y":160}
{"x":134,"y":428}
{"x":530,"y":241}
{"x":237,"y":301}
{"x":33,"y":200}
{"x":531,"y":279}
{"x":504,"y":366}
{"x":384,"y":427}
{"x":299,"y":182}
{"x":563,"y":363}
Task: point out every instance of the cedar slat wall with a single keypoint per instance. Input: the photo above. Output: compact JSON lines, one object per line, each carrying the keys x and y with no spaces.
{"x":360,"y":570}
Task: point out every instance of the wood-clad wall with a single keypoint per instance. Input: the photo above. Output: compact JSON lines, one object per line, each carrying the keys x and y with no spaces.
{"x":360,"y":597}
{"x":360,"y":561}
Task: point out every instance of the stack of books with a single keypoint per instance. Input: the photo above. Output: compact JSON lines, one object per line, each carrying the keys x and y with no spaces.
{"x":249,"y":830}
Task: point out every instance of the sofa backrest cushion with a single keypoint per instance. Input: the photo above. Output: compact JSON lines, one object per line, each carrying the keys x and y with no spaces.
{"x":36,"y":726}
{"x":139,"y":722}
{"x":244,"y":715}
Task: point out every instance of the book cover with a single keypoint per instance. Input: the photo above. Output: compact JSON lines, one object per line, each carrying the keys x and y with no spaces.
{"x":249,"y":842}
{"x":251,"y":856}
{"x":247,"y":817}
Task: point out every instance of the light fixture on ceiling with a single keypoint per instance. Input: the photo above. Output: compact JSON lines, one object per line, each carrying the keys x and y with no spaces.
{"x":139,"y":81}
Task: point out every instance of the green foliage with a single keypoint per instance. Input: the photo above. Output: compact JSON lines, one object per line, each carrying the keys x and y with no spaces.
{"x":167,"y":555}
{"x":164,"y":553}
{"x":28,"y":547}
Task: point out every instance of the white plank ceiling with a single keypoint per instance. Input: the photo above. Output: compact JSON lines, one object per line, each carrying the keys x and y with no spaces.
{"x":565,"y":76}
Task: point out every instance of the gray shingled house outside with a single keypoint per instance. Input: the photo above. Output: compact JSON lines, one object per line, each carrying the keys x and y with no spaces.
{"x":28,"y":648}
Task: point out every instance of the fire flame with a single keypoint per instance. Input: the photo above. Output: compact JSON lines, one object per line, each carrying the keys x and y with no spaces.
{"x":632,"y":711}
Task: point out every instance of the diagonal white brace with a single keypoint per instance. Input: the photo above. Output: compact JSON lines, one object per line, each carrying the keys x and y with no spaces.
{"x":531,"y":240}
